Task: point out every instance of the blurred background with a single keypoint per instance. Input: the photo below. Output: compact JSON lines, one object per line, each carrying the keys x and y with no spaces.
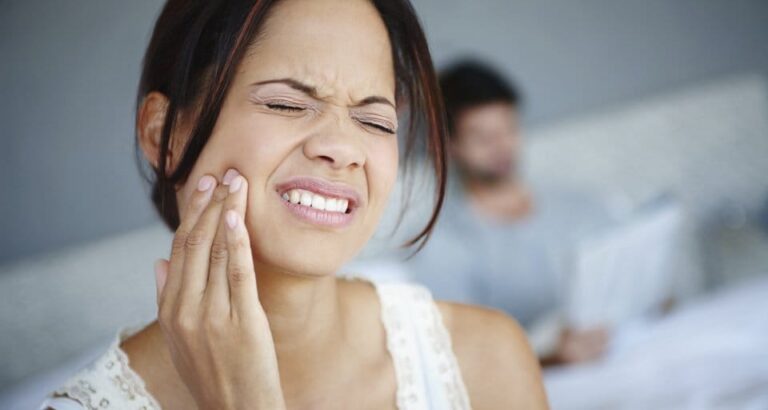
{"x":648,"y":108}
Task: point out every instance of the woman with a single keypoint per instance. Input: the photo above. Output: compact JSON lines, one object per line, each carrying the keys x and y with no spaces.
{"x":271,"y":129}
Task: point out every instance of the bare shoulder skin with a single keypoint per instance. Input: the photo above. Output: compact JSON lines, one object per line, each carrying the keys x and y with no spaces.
{"x":496,"y":361}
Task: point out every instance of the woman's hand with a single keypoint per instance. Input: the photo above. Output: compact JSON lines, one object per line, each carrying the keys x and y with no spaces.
{"x":208,"y":306}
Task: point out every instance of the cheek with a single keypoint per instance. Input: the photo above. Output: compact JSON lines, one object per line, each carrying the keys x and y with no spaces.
{"x":475,"y":151}
{"x":258,"y":157}
{"x":256,"y":148}
{"x":381,"y":174}
{"x":382,"y":167}
{"x":514,"y":143}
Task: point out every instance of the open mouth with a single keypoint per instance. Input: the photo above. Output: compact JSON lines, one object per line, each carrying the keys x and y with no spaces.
{"x":318,"y":201}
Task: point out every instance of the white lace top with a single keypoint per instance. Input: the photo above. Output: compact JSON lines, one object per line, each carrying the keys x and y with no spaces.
{"x":427,"y":372}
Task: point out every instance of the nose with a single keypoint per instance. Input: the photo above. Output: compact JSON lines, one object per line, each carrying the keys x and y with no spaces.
{"x":336,"y":143}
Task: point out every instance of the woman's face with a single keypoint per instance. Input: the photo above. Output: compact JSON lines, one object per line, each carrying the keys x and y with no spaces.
{"x":310,"y":118}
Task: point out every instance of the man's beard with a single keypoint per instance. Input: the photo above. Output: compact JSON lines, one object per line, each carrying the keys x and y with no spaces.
{"x":486,"y":176}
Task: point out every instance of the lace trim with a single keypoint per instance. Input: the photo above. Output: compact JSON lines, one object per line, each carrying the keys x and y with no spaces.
{"x":398,"y":346}
{"x":109,"y":382}
{"x":402,"y":347}
{"x":408,"y":313}
{"x":448,"y":366}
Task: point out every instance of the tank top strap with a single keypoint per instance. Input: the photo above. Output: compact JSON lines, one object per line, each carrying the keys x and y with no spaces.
{"x":428,"y":375}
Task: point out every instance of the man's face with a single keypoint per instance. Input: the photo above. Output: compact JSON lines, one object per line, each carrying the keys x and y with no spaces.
{"x":486,"y":141}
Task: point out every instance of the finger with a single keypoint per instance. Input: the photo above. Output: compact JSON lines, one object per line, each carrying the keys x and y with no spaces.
{"x":241,"y":276}
{"x":593,"y":347}
{"x":596,"y":336}
{"x":161,"y":275}
{"x":217,"y":292}
{"x":604,"y":334}
{"x":198,"y":201}
{"x":593,"y":351}
{"x":197,"y":255}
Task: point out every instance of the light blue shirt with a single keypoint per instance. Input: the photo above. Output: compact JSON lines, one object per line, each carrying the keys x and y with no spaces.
{"x":514,"y":266}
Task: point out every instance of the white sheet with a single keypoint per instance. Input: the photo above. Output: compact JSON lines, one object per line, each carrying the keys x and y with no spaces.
{"x":627,"y":271}
{"x":710,"y":354}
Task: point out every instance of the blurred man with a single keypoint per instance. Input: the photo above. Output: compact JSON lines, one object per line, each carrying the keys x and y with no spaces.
{"x":501,"y":242}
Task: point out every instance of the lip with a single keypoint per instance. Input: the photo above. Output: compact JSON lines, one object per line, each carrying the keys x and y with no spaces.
{"x":324,"y":188}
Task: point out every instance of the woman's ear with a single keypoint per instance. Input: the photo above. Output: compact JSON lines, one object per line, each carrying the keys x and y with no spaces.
{"x":150,"y":122}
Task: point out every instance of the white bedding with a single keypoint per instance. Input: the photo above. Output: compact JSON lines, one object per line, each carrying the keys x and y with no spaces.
{"x":712,"y":353}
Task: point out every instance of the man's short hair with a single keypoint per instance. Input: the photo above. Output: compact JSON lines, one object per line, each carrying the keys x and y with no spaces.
{"x":469,"y":83}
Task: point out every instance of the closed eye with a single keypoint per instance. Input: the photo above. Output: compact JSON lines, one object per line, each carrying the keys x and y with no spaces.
{"x":378,"y":127}
{"x":284,"y":107}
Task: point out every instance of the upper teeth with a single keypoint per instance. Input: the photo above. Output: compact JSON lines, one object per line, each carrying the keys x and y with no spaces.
{"x":323,"y":203}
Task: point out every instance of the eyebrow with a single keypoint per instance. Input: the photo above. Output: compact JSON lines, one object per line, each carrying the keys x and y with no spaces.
{"x":312,"y":91}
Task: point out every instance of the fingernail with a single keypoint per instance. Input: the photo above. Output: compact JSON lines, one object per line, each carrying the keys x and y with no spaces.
{"x":229,"y":175}
{"x":236,"y":183}
{"x":205,"y":183}
{"x":231,"y":218}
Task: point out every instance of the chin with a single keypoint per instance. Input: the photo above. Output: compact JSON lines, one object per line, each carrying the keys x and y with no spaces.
{"x":304,"y":252}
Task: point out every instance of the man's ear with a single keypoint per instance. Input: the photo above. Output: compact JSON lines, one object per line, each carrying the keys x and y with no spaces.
{"x":150,"y":122}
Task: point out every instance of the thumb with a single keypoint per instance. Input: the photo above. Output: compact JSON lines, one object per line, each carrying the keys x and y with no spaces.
{"x":161,"y":274}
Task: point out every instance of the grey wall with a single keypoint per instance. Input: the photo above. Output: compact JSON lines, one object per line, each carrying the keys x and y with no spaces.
{"x":572,"y":57}
{"x":68,"y":72}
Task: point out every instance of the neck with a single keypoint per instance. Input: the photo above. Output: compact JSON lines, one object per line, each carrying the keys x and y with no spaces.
{"x":302,"y":311}
{"x":304,"y":316}
{"x":305,"y":320}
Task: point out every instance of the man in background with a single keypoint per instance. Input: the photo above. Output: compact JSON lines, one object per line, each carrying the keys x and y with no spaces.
{"x":501,"y":242}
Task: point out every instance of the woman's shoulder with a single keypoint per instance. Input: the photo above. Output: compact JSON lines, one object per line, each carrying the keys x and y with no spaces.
{"x":497,"y":363}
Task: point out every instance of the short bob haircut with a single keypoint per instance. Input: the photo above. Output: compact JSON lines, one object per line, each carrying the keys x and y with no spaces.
{"x":192,"y":57}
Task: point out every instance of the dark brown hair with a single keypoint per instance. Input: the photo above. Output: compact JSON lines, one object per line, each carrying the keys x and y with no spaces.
{"x":192,"y":58}
{"x":469,"y":83}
